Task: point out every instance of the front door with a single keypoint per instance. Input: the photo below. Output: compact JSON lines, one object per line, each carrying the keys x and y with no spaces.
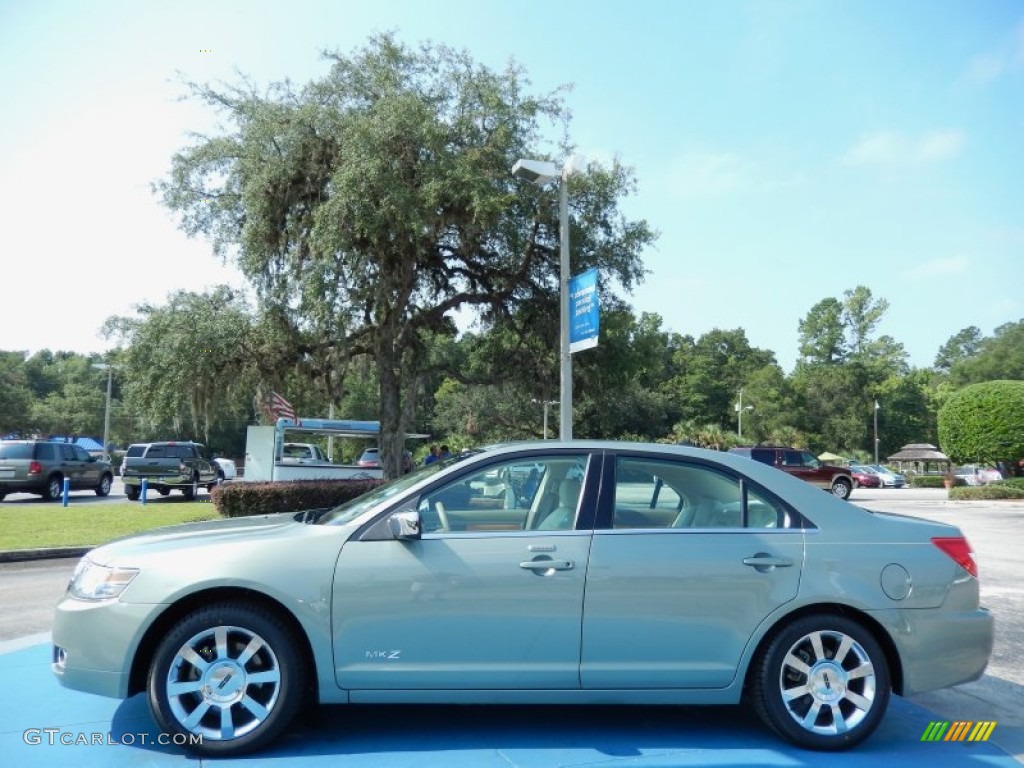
{"x":486,"y":599}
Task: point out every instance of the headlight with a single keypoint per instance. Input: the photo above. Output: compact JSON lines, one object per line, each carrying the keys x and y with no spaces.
{"x":99,"y":582}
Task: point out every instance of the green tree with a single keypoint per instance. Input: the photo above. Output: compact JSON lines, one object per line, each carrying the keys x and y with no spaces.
{"x":984,"y":423}
{"x":189,"y":365}
{"x":999,"y":357}
{"x":962,"y":345}
{"x":15,"y":395}
{"x":370,"y":204}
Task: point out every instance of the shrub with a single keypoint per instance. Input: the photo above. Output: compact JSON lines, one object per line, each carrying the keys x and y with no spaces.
{"x":933,"y":481}
{"x":991,"y":492}
{"x":246,"y":499}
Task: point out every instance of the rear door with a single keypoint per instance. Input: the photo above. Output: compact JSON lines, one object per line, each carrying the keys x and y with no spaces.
{"x":687,"y":561}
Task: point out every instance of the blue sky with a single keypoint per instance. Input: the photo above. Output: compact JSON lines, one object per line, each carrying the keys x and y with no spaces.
{"x":785,"y":151}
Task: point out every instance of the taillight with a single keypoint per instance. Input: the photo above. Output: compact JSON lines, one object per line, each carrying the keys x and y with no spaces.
{"x":35,"y":468}
{"x":958,"y":549}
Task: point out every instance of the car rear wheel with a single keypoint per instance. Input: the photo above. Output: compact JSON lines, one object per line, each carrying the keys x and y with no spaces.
{"x":132,"y":492}
{"x":103,"y":489}
{"x":822,"y":683}
{"x":54,"y":488}
{"x":230,"y":673}
{"x":841,"y":487}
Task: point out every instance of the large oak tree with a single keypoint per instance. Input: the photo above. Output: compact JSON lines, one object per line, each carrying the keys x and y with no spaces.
{"x":369,"y":205}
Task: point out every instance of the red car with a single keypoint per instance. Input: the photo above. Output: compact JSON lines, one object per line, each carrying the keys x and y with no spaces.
{"x":862,"y":478}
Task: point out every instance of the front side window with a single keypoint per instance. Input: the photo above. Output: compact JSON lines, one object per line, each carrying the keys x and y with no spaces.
{"x":651,"y":493}
{"x":541,"y":494}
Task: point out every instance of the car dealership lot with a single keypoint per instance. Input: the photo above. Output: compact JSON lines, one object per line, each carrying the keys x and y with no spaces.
{"x":549,"y":736}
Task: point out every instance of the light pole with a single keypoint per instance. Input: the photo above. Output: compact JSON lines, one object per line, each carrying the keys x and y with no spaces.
{"x":740,"y":408}
{"x":546,"y":403}
{"x":541,"y":172}
{"x":876,"y":431}
{"x":106,"y":412}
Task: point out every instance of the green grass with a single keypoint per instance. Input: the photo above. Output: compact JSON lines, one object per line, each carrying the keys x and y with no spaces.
{"x":35,"y":526}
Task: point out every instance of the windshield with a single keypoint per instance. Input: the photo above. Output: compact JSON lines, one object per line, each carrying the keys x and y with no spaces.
{"x":350,"y":510}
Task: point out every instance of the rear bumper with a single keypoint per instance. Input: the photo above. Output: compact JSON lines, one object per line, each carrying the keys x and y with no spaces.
{"x":174,"y":479}
{"x":939,"y":648}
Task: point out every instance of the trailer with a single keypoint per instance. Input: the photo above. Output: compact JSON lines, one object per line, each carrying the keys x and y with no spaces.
{"x":265,"y":459}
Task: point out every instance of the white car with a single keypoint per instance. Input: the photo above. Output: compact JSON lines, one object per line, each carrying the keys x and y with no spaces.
{"x":226,"y":469}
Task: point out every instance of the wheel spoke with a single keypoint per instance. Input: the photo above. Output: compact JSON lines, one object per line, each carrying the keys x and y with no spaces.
{"x":227,"y":725}
{"x":188,"y":654}
{"x":858,"y":701}
{"x":196,"y":715}
{"x":267,"y":676}
{"x":221,"y":638}
{"x":795,"y":693}
{"x":250,"y":650}
{"x":183,"y":687}
{"x":838,"y":720}
{"x":844,"y":648}
{"x":816,"y":644}
{"x":812,"y":715}
{"x":797,"y":664}
{"x":258,"y":710}
{"x":864,"y":670}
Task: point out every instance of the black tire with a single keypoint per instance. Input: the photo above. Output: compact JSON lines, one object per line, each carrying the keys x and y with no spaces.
{"x":54,"y":488}
{"x":841,"y":487}
{"x":164,"y":491}
{"x":103,"y":489}
{"x":132,"y":492}
{"x":847,"y":697}
{"x":226,"y":685}
{"x":2,"y":494}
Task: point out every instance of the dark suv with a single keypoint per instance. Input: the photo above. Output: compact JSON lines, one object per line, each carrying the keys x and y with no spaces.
{"x":40,"y":466}
{"x":802,"y":464}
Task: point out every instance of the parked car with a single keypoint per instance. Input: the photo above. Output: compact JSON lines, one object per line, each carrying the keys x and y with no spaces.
{"x":806,"y":466}
{"x":865,"y":477}
{"x":972,"y":474}
{"x":886,"y":477}
{"x":637,"y":574}
{"x":371,"y":458}
{"x":41,"y":466}
{"x":226,"y":469}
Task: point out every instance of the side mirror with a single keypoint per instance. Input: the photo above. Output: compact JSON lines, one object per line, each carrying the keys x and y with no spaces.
{"x":405,"y":525}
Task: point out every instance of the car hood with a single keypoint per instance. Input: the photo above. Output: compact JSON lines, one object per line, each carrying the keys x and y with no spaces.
{"x":242,"y":533}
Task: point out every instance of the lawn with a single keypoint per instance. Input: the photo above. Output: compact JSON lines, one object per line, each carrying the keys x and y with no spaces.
{"x":34,"y":526}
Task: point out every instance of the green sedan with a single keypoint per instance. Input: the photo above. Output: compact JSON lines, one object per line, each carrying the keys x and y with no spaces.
{"x":556,"y":573}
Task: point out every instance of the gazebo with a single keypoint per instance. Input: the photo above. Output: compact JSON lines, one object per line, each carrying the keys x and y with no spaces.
{"x":917,"y":454}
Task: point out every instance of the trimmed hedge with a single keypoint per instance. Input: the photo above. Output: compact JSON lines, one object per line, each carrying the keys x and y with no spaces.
{"x":244,"y":499}
{"x":933,"y":481}
{"x":991,"y":492}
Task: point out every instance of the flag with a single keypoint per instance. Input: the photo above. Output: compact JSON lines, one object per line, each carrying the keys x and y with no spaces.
{"x":281,"y":408}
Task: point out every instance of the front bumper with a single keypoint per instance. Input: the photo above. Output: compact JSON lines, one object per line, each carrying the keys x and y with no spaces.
{"x":95,"y":642}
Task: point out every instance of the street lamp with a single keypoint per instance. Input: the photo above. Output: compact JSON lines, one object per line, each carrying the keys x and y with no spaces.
{"x":740,"y":408}
{"x":541,"y":172}
{"x":876,"y":431}
{"x":546,"y":403}
{"x":106,"y":414}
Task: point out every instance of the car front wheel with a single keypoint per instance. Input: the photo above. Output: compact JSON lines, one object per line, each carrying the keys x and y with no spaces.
{"x":822,"y":683}
{"x":230,"y":673}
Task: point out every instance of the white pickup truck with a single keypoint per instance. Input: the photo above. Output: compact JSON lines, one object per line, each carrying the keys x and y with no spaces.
{"x":303,"y":453}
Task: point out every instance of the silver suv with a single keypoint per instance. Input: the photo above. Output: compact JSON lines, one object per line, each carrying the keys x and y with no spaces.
{"x":41,"y":466}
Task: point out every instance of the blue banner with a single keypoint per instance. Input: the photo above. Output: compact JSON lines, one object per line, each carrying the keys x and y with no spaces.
{"x":584,"y":311}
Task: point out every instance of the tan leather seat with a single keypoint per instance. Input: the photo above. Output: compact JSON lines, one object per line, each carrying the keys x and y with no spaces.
{"x":563,"y":516}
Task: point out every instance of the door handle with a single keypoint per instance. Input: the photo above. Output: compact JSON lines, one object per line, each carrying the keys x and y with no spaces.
{"x":548,"y":565}
{"x":763,"y":561}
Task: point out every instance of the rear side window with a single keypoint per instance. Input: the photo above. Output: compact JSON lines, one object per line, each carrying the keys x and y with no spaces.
{"x":136,"y":450}
{"x":763,"y":455}
{"x":16,"y":450}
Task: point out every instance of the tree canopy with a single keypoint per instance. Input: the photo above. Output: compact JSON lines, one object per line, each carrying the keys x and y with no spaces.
{"x":370,"y":204}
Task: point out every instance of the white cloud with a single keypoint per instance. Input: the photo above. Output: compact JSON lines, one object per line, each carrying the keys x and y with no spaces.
{"x":989,"y":66}
{"x":891,"y":148}
{"x":943,"y":267}
{"x":707,"y":174}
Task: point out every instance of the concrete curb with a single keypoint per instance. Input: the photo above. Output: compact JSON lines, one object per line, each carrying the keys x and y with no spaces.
{"x":50,"y":553}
